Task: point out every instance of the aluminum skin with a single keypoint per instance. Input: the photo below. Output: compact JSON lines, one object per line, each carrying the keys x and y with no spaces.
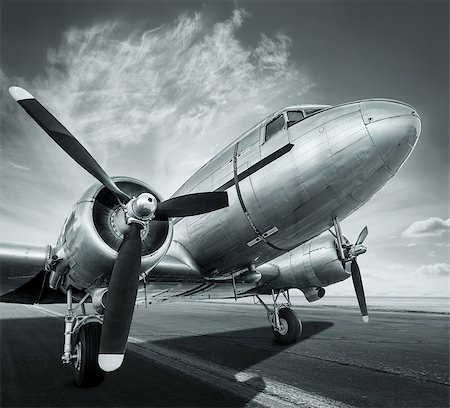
{"x":90,"y":258}
{"x":340,"y":158}
{"x":284,"y":191}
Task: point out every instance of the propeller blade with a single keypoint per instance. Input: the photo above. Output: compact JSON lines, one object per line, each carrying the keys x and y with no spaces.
{"x":357,"y":283}
{"x":362,"y":236}
{"x":120,"y":301}
{"x":64,"y":139}
{"x":192,"y":204}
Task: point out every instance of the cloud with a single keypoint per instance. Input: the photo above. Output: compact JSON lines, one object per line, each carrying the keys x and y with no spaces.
{"x":174,"y":87}
{"x":431,"y":227}
{"x":155,"y":104}
{"x":443,"y":244}
{"x":18,"y":166}
{"x":397,"y":267}
{"x":437,"y":269}
{"x":173,"y":83}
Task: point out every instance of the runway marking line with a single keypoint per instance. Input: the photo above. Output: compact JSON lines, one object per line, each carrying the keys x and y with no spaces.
{"x":258,"y":390}
{"x":270,"y":393}
{"x":45,"y":311}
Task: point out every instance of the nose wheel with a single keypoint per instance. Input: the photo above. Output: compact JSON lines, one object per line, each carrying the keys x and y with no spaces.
{"x":85,"y":356}
{"x":286,"y":326}
{"x":82,"y":342}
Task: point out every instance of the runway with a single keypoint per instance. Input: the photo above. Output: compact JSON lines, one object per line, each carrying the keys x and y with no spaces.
{"x":213,"y":354}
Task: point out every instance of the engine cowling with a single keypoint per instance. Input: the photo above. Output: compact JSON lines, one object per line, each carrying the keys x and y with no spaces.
{"x":316,"y":263}
{"x":94,"y":230}
{"x":310,"y":267}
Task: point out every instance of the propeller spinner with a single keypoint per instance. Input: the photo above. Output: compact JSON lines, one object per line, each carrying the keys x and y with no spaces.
{"x":138,"y":211}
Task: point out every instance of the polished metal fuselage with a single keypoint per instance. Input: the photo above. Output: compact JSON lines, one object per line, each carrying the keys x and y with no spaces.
{"x":282,"y":192}
{"x":323,"y":167}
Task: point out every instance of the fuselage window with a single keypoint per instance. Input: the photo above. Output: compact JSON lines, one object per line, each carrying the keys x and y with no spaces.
{"x":274,"y":127}
{"x":294,"y":117}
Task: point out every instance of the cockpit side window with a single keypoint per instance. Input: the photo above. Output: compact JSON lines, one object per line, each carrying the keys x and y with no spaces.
{"x":272,"y":128}
{"x":294,"y":117}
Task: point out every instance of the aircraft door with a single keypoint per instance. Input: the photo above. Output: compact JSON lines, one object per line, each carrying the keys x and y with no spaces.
{"x":248,"y":157}
{"x":274,"y":181}
{"x":250,"y":163}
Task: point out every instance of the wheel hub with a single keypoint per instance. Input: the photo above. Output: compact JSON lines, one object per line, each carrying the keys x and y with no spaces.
{"x":77,"y":356}
{"x":283,"y":327}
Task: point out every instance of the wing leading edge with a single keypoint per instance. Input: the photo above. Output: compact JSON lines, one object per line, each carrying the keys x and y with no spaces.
{"x":22,"y":275}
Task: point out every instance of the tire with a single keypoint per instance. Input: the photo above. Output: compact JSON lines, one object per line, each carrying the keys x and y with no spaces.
{"x":87,"y":371}
{"x":300,"y":328}
{"x":291,"y":327}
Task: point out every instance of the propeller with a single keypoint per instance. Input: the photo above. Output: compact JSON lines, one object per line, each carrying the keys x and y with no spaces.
{"x":122,"y":292}
{"x":191,"y":204}
{"x":362,"y":236}
{"x":139,"y":211}
{"x":182,"y":206}
{"x":350,"y":253}
{"x":354,"y":251}
{"x":64,"y":139}
{"x":359,"y":289}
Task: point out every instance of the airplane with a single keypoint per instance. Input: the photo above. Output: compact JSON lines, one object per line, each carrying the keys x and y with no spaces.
{"x":260,"y":218}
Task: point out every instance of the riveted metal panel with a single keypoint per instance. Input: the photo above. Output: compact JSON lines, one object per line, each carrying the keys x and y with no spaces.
{"x":330,"y":169}
{"x":312,"y":264}
{"x":19,"y":263}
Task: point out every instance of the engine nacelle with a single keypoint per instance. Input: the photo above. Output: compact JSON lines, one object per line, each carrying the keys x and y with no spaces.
{"x":310,"y":267}
{"x":94,"y":230}
{"x":316,"y":263}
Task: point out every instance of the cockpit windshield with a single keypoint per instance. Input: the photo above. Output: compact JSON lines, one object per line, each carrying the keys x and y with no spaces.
{"x":310,"y":111}
{"x":294,"y":117}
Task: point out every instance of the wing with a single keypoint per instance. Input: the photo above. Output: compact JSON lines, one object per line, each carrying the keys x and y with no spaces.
{"x":22,"y":275}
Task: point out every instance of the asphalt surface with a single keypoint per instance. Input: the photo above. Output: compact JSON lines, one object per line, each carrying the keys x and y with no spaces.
{"x":211,"y":354}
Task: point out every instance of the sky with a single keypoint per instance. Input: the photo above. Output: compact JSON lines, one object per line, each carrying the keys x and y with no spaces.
{"x":154,"y":89}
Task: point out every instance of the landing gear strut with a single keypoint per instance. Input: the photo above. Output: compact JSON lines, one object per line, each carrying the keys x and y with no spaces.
{"x":286,"y":326}
{"x":81,"y":343}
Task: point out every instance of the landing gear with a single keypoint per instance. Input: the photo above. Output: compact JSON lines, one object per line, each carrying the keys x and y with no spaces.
{"x":286,"y":326}
{"x":81,"y":343}
{"x":290,"y":327}
{"x":87,"y":371}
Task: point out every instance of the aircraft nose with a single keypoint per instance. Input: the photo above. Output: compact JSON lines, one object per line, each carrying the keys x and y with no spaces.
{"x":394,"y":128}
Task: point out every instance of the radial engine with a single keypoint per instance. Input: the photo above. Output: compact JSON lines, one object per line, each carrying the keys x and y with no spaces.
{"x":94,"y":230}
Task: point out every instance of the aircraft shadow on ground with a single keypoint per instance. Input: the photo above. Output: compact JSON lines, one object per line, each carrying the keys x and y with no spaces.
{"x":240,"y":349}
{"x":32,"y":373}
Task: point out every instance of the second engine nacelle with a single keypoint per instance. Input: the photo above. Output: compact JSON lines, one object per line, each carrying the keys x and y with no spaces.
{"x":316,"y":263}
{"x":311,"y":266}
